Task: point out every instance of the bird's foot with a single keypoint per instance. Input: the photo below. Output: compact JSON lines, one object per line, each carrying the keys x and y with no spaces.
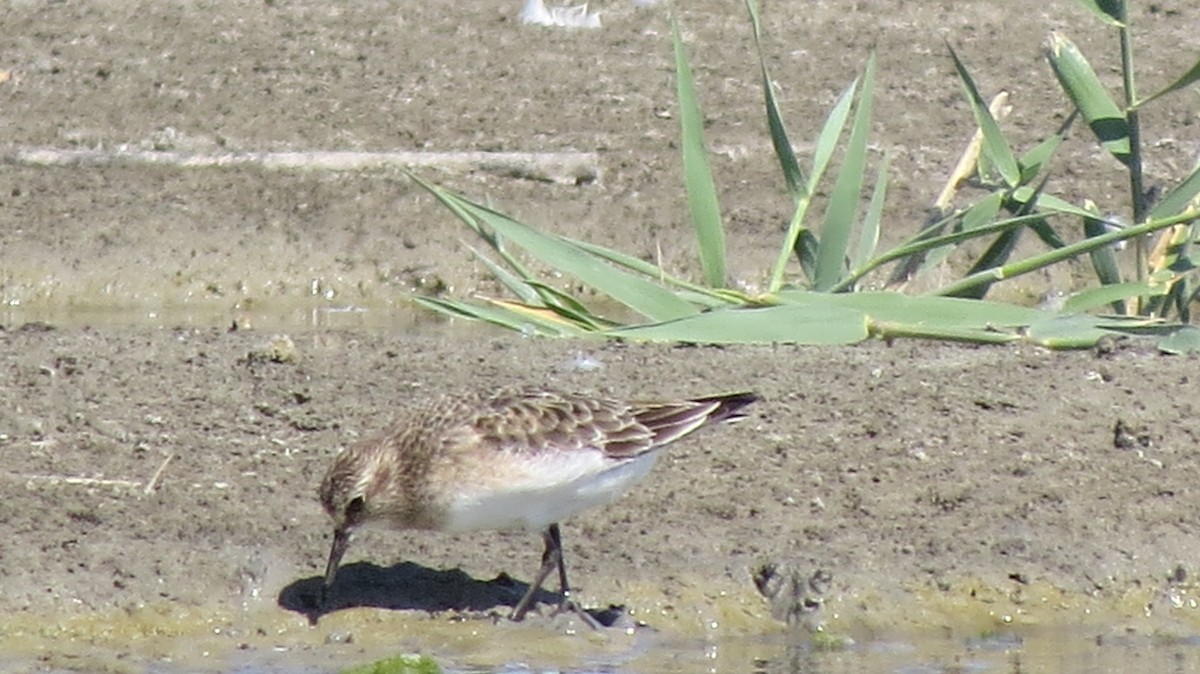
{"x":568,"y":604}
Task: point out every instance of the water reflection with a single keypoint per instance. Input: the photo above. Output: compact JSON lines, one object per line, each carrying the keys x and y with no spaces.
{"x":1058,"y":651}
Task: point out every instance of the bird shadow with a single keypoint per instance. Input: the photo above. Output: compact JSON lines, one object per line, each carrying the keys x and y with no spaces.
{"x":408,"y":586}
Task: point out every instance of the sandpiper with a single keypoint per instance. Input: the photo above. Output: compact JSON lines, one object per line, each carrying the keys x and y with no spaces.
{"x":512,"y":459}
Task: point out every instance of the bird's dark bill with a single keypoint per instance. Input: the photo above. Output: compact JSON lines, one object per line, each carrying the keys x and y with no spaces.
{"x":341,"y":541}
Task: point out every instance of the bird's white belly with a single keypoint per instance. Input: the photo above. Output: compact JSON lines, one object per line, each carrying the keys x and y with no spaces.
{"x":548,"y":489}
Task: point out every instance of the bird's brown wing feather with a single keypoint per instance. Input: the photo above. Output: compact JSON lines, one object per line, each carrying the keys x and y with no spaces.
{"x":535,"y":421}
{"x":669,"y":421}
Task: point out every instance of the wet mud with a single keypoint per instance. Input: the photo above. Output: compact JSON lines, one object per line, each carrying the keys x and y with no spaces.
{"x":159,"y":474}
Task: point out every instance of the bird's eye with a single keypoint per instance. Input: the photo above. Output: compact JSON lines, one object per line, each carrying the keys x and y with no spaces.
{"x":354,"y":508}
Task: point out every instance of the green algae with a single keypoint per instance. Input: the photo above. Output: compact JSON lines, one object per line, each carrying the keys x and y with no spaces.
{"x":409,"y":663}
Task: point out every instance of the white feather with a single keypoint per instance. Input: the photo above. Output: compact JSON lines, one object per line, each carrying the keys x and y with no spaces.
{"x":552,"y":488}
{"x":536,"y":13}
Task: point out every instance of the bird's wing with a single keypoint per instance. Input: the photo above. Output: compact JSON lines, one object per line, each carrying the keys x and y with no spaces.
{"x":538,"y":421}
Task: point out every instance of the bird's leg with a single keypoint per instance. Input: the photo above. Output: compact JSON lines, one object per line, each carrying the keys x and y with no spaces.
{"x":553,"y":537}
{"x":552,"y":557}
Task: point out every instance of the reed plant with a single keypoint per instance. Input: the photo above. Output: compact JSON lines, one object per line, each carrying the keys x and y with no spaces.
{"x":814,"y":293}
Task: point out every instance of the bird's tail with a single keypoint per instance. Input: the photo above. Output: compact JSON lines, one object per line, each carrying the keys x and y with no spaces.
{"x":671,"y":421}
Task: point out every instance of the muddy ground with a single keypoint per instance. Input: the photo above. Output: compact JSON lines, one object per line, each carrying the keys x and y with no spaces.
{"x":159,"y":470}
{"x":877,"y":490}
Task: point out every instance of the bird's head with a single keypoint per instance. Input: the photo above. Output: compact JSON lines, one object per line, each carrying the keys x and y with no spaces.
{"x":346,"y":494}
{"x":344,"y":491}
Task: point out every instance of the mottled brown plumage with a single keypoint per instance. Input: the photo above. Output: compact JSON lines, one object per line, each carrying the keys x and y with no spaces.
{"x":516,"y":458}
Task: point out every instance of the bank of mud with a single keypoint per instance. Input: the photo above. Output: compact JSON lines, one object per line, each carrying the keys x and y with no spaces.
{"x":877,"y":490}
{"x":159,"y":483}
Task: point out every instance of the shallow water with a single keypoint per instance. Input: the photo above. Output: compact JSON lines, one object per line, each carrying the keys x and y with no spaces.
{"x":1059,"y":651}
{"x":274,"y":642}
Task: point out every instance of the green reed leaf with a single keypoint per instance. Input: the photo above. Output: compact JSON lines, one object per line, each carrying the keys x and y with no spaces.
{"x":790,"y":167}
{"x":842,"y":210}
{"x":1077,"y":78}
{"x":786,"y":323}
{"x":639,"y":294}
{"x":995,"y":146}
{"x":1185,"y":80}
{"x":698,"y":181}
{"x":1184,"y":340}
{"x":1113,"y":294}
{"x":868,"y":236}
{"x":1104,"y":262}
{"x":1179,"y":198}
{"x":504,"y":317}
{"x":1111,"y":12}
